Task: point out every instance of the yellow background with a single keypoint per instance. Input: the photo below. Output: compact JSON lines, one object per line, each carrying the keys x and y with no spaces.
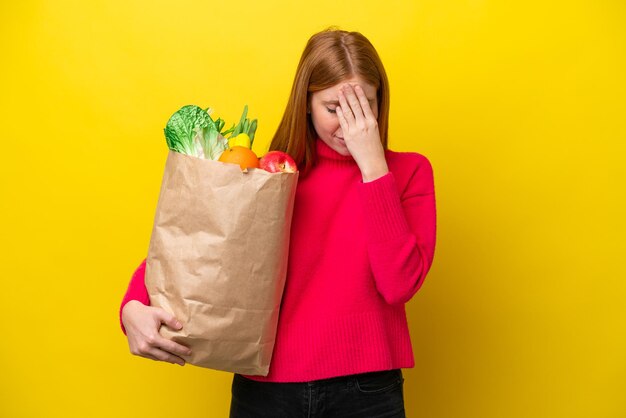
{"x":520,"y":106}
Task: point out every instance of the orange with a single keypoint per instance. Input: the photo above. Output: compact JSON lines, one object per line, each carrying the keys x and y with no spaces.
{"x":245,"y":157}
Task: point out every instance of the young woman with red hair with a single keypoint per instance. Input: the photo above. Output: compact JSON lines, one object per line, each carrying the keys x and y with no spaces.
{"x":362,"y":242}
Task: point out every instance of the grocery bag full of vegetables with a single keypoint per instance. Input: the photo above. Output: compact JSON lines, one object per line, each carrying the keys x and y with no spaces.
{"x":217,"y":258}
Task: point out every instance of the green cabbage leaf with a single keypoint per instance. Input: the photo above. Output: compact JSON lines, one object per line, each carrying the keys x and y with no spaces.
{"x":191,"y":131}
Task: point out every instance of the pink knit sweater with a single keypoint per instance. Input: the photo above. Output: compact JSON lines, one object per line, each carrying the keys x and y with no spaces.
{"x":358,"y":252}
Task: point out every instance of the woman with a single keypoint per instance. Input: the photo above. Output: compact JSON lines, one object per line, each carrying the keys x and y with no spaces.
{"x":362,"y":241}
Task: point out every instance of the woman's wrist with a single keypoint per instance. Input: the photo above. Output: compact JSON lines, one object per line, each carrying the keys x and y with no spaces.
{"x":373,"y":173}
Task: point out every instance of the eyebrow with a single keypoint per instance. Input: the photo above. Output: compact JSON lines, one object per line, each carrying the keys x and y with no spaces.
{"x":336,"y":102}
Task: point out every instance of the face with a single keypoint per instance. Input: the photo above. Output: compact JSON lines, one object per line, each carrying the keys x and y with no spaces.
{"x":323,"y":104}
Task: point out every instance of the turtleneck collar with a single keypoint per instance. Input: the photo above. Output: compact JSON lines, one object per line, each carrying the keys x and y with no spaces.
{"x":326,"y":153}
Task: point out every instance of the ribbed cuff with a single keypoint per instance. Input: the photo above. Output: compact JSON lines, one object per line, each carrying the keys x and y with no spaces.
{"x":383,"y":208}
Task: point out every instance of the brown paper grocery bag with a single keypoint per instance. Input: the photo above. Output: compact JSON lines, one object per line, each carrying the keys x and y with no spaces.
{"x":217,"y":259}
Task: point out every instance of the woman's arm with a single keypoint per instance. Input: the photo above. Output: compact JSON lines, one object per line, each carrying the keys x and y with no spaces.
{"x":144,"y":322}
{"x":136,"y":290}
{"x":401,"y":229}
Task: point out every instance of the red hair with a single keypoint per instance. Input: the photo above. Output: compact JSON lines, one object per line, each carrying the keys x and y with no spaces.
{"x":330,"y":56}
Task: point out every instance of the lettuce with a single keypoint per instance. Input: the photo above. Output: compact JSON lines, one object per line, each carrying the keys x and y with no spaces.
{"x":211,"y":141}
{"x":182,"y":126}
{"x":192,"y":131}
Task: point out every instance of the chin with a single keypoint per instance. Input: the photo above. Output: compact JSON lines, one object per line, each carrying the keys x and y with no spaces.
{"x":341,"y":148}
{"x":337,"y":145}
{"x":343,"y":151}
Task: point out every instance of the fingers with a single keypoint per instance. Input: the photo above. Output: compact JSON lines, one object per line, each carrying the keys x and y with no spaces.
{"x":346,"y":110}
{"x":350,"y":99}
{"x":157,"y":354}
{"x":145,"y":340}
{"x":168,"y":319}
{"x":365,"y":105}
{"x":156,"y":347}
{"x":342,"y":119}
{"x":174,"y":347}
{"x":165,"y":344}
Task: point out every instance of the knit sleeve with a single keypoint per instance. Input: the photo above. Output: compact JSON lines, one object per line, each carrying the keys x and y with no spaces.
{"x":401,"y":228}
{"x":136,"y":290}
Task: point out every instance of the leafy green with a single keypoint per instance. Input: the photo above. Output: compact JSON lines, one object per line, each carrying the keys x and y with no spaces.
{"x":191,"y":131}
{"x":182,"y":127}
{"x":252,"y":130}
{"x":244,"y":126}
{"x":212,"y":143}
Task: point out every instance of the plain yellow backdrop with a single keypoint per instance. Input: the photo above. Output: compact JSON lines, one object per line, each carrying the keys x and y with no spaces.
{"x":520,"y":107}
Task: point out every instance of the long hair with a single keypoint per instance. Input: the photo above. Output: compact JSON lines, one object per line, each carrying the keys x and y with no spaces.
{"x":329,"y":57}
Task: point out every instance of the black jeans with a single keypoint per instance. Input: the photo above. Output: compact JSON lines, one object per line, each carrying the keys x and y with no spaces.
{"x":365,"y":395}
